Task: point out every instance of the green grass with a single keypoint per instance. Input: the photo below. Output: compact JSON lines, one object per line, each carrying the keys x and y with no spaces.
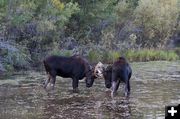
{"x":94,"y":56}
{"x":142,"y":55}
{"x":106,"y":56}
{"x":151,"y":55}
{"x":61,"y":52}
{"x":134,"y":55}
{"x":110,"y":56}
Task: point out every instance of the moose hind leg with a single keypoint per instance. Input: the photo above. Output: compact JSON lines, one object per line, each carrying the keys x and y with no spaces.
{"x":127,"y":88}
{"x":53,"y":81}
{"x":53,"y":78}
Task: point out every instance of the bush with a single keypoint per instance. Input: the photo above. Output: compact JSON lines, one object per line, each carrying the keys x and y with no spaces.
{"x":177,"y":51}
{"x":8,"y":67}
{"x":110,"y":56}
{"x":14,"y":57}
{"x":158,"y":19}
{"x":94,"y":56}
{"x":172,"y":55}
{"x":105,"y":56}
{"x":61,"y":52}
{"x":18,"y":59}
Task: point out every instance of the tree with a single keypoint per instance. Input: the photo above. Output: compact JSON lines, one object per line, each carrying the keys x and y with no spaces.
{"x":157,"y":19}
{"x":94,"y":16}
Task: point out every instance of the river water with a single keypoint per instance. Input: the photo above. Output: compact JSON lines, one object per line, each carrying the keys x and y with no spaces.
{"x":153,"y":86}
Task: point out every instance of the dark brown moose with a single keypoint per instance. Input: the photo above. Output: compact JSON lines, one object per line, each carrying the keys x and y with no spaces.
{"x":74,"y":67}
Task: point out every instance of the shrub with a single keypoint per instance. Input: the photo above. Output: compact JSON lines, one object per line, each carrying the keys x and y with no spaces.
{"x":61,"y":52}
{"x":158,"y":19}
{"x":110,"y":56}
{"x":14,"y":57}
{"x":94,"y":56}
{"x":177,"y":51}
{"x":172,"y":56}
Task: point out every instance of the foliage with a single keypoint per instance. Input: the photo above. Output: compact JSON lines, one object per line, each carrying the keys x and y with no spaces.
{"x":134,"y":55}
{"x":94,"y":16}
{"x":123,"y":10}
{"x":157,"y":18}
{"x":14,"y":57}
{"x":61,"y":52}
{"x":131,"y":28}
{"x":94,"y":56}
{"x":110,"y":56}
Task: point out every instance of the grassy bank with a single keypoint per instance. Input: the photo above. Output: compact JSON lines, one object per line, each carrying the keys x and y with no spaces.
{"x":134,"y":55}
{"x":142,"y":55}
{"x":17,"y":63}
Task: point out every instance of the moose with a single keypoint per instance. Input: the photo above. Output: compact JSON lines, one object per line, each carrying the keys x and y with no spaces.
{"x":75,"y":67}
{"x":119,"y":71}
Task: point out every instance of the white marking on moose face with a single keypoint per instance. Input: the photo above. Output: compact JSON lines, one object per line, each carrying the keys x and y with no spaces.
{"x":98,"y":70}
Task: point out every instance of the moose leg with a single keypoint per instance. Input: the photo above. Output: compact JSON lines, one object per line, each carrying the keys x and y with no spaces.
{"x":75,"y":83}
{"x":114,"y":88}
{"x":53,"y":78}
{"x":114,"y":84}
{"x":47,"y":81}
{"x":127,"y":88}
{"x":117,"y":86}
